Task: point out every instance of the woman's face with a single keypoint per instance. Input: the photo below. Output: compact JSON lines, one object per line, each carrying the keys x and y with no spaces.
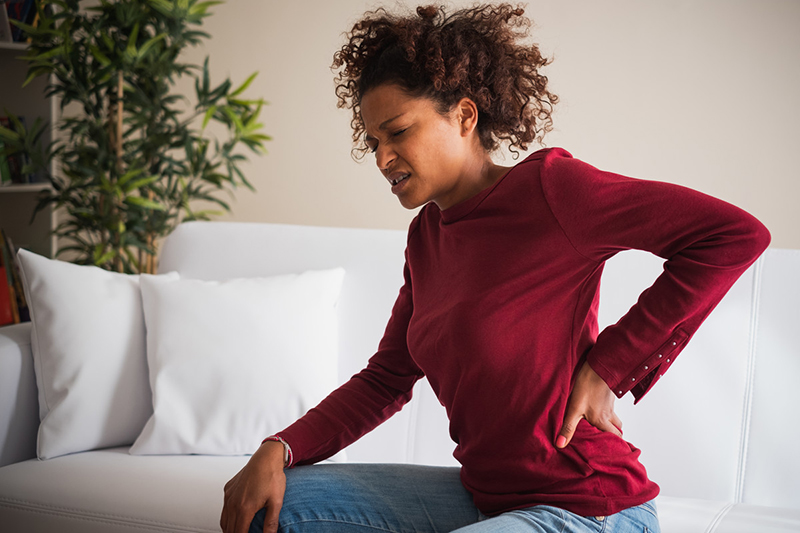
{"x":423,"y":154}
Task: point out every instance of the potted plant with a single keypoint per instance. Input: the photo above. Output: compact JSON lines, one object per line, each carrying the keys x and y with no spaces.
{"x":138,"y":154}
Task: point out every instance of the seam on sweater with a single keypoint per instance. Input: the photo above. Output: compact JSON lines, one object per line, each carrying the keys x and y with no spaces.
{"x":747,"y":408}
{"x":106,"y":518}
{"x":544,"y":167}
{"x":315,"y":451}
{"x":411,"y":434}
{"x":717,"y":519}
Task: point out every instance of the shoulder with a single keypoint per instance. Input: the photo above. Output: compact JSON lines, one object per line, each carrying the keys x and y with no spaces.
{"x":423,"y":217}
{"x":549,"y":163}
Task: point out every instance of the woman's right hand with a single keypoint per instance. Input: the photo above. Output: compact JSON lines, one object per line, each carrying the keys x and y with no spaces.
{"x":261,"y":483}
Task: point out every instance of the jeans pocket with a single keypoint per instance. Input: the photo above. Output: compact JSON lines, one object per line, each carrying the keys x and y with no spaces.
{"x":650,"y":507}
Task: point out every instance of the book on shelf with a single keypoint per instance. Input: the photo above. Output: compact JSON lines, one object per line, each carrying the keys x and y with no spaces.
{"x":11,"y":283}
{"x":6,"y":316}
{"x":23,"y":11}
{"x":9,"y":314}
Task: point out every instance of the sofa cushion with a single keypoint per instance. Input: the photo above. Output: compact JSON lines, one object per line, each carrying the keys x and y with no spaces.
{"x":110,"y":491}
{"x":88,"y":343}
{"x":235,"y":361}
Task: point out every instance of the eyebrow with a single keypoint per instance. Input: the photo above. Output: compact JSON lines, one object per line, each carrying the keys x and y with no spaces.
{"x":384,"y":124}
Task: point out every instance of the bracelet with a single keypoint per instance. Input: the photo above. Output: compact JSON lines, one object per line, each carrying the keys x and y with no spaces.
{"x":287,"y":450}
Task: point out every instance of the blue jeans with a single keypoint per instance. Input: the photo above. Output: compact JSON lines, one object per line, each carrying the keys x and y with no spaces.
{"x":361,"y":498}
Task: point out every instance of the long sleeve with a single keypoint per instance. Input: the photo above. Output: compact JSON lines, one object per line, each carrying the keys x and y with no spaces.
{"x":707,"y":244}
{"x":367,"y":399}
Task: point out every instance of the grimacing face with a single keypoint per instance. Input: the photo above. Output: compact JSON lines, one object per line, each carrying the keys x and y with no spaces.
{"x":422,"y":153}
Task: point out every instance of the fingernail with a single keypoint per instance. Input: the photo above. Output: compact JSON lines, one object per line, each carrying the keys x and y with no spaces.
{"x":561,"y":441}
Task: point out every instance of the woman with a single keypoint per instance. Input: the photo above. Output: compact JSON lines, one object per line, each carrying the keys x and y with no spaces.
{"x":499,"y":305}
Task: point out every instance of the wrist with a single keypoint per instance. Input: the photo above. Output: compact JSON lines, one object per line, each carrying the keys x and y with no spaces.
{"x":270,"y":453}
{"x":278,"y":443}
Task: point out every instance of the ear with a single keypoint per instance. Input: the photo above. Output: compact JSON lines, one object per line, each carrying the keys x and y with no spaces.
{"x":467,"y":116}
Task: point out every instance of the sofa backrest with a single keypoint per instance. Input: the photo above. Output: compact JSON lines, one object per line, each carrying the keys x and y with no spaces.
{"x":718,"y":426}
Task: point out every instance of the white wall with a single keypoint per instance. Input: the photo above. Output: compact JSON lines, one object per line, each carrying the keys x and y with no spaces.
{"x":703,"y":93}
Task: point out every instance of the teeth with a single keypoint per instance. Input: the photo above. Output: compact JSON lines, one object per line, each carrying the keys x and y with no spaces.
{"x":398,"y":180}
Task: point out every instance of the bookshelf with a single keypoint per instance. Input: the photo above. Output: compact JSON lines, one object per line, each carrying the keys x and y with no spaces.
{"x":17,"y":201}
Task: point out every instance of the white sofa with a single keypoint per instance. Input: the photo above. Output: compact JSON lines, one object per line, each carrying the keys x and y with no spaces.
{"x":718,"y":433}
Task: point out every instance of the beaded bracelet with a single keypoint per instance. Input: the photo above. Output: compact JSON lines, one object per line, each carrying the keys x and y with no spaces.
{"x":287,"y":450}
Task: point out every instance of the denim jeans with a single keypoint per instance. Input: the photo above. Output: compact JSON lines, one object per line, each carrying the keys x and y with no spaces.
{"x":361,"y":498}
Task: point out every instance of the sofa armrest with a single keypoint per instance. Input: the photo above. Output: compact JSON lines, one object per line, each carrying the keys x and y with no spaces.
{"x":19,"y":404}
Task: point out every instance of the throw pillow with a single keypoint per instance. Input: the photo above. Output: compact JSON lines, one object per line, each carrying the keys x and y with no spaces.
{"x":88,"y":343}
{"x":235,"y":361}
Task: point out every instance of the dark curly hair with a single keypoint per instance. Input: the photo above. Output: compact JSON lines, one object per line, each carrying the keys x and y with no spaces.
{"x":474,"y":53}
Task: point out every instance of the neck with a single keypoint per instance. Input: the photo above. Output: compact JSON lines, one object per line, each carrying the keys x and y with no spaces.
{"x":478,"y":174}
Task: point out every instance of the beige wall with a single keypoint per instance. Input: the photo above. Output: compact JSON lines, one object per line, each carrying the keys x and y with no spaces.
{"x":703,"y":93}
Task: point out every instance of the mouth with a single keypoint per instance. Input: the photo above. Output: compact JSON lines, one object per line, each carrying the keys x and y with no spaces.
{"x":397,"y":177}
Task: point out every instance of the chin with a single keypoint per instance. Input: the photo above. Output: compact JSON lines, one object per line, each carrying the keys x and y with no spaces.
{"x":409,"y":203}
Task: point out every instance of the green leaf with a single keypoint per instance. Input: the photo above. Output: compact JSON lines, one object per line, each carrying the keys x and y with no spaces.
{"x":141,"y":183}
{"x":151,"y":43}
{"x":209,"y":113}
{"x":53,"y":52}
{"x":144,"y":202}
{"x":101,"y":258}
{"x":9,"y":135}
{"x":18,"y":126}
{"x":162,"y":6}
{"x":234,"y":118}
{"x":125,"y":178}
{"x":245,"y":85}
{"x":202,"y":7}
{"x":30,"y":30}
{"x":100,"y":56}
{"x":130,"y":51}
{"x":206,"y":80}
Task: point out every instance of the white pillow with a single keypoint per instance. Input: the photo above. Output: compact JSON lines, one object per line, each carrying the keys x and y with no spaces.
{"x":88,"y":343}
{"x":233,"y":362}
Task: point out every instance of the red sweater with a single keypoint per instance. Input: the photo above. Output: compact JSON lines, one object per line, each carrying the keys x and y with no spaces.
{"x":499,"y":311}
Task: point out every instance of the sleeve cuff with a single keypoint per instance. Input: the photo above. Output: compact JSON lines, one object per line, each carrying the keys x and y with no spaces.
{"x":646,"y":374}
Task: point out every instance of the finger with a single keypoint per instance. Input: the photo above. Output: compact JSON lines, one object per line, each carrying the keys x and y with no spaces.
{"x":617,"y":421}
{"x":224,"y":519}
{"x":273,"y":511}
{"x":230,"y":522}
{"x":567,"y":430}
{"x":243,"y":521}
{"x":609,"y":427}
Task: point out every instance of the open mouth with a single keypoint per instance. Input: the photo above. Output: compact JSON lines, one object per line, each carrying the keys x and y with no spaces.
{"x":399,"y":179}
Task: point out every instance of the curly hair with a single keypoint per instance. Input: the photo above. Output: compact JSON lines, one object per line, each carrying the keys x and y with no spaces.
{"x":474,"y":53}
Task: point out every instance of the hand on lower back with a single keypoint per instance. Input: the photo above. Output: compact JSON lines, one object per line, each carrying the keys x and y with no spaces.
{"x":590,"y":399}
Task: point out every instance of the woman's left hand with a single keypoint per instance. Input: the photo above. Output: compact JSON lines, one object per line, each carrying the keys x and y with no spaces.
{"x":590,"y":399}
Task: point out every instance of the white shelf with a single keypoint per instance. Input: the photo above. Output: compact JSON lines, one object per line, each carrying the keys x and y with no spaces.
{"x":13,"y":46}
{"x":18,"y":200}
{"x":24,"y":187}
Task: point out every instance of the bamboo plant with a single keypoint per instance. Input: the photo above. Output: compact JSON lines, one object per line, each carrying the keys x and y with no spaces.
{"x":136,"y":158}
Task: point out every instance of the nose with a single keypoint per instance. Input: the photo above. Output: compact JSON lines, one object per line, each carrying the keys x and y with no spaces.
{"x":384,"y":157}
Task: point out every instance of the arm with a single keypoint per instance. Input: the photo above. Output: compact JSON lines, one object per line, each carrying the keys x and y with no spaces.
{"x":367,"y":399}
{"x":707,"y":244}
